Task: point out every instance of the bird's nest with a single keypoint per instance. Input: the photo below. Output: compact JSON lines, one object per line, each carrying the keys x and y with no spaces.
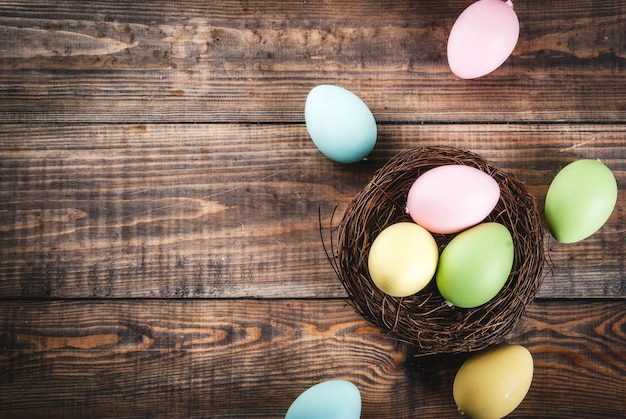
{"x":425,"y":319}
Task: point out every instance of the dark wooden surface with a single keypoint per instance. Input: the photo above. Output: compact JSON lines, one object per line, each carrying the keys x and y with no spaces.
{"x":160,"y":252}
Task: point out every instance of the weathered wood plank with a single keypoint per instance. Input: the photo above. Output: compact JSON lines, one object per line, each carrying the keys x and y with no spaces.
{"x":201,"y":62}
{"x":251,"y":358}
{"x":160,"y":253}
{"x":233,"y":210}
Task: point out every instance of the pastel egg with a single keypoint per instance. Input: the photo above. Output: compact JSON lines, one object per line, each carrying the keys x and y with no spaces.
{"x":492,"y":383}
{"x":340,"y":124}
{"x":482,"y":38}
{"x":402,"y":259}
{"x":451,"y":198}
{"x":335,"y":399}
{"x":475,"y":265}
{"x":580,"y":200}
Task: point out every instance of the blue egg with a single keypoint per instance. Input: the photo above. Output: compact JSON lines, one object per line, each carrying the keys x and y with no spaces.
{"x":339,"y":123}
{"x":335,"y":399}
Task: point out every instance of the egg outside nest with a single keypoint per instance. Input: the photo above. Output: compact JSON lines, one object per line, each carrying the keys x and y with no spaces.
{"x":425,"y":319}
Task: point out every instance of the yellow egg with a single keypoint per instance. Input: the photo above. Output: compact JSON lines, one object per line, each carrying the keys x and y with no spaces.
{"x":492,"y":383}
{"x":403,"y":259}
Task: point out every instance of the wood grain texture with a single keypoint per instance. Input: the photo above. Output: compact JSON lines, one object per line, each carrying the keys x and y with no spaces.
{"x":255,"y":61}
{"x":251,"y":358}
{"x":160,"y":201}
{"x":234,"y":210}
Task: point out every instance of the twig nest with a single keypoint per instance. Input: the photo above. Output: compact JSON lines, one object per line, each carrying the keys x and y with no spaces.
{"x":425,"y":319}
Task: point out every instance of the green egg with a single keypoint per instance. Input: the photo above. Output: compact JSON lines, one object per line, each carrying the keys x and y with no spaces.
{"x":580,"y":200}
{"x":475,"y":265}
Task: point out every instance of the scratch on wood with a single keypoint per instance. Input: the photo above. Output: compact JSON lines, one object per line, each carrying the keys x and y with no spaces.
{"x":577,"y":145}
{"x":282,"y":244}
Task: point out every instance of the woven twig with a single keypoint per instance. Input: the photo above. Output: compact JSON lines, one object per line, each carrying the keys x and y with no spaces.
{"x":425,"y":319}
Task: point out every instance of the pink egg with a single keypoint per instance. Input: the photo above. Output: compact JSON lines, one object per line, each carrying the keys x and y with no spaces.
{"x":482,"y":38}
{"x":451,"y":198}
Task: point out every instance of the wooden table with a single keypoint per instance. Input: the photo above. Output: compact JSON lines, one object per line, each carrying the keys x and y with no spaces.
{"x":160,"y":252}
